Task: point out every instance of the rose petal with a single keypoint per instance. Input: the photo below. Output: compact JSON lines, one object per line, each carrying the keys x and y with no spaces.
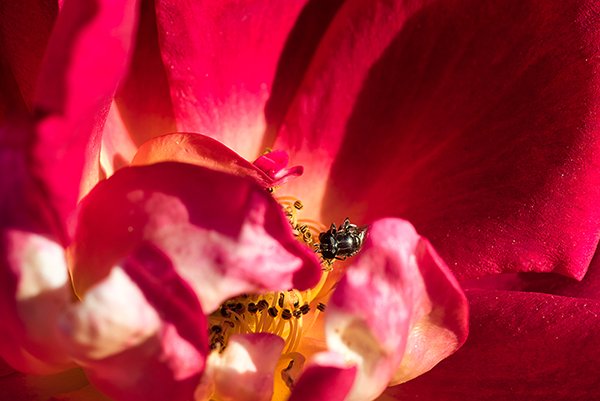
{"x":225,"y":234}
{"x":140,"y":333}
{"x":244,"y":371}
{"x":87,"y":55}
{"x":35,"y":289}
{"x":200,"y":150}
{"x":223,"y":99}
{"x":476,"y":122}
{"x":521,"y":346}
{"x":21,"y":387}
{"x":397,"y":312}
{"x":24,"y":28}
{"x":327,"y":377}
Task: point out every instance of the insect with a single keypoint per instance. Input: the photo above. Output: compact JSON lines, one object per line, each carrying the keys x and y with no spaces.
{"x":343,"y":242}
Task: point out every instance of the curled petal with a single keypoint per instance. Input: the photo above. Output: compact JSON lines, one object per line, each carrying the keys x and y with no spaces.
{"x":140,"y":333}
{"x":200,"y":150}
{"x":244,"y":371}
{"x":274,"y":164}
{"x":398,"y":310}
{"x":224,"y":234}
{"x":327,"y":377}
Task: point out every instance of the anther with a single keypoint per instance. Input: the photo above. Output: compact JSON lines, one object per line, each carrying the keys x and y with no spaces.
{"x":216,"y":329}
{"x":229,"y":323}
{"x":305,"y":309}
{"x":281,"y":299}
{"x":321,"y":307}
{"x":272,"y":311}
{"x":298,"y":205}
{"x":286,"y":314}
{"x":297,"y":313}
{"x":252,"y":308}
{"x":262,"y":304}
{"x":225,"y":312}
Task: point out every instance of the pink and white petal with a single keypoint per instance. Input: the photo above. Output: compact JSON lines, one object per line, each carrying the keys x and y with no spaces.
{"x":35,"y":289}
{"x":521,"y":346}
{"x":87,"y":55}
{"x":140,"y":333}
{"x":397,"y":312}
{"x":480,"y":125}
{"x":221,"y":60}
{"x":224,"y":234}
{"x":201,"y":150}
{"x":245,"y":370}
{"x":327,"y":377}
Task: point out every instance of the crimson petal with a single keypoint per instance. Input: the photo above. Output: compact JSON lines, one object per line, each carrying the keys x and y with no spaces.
{"x":521,"y":346}
{"x":475,"y":121}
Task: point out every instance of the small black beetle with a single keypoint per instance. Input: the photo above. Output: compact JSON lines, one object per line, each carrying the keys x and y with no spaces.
{"x":342,"y":243}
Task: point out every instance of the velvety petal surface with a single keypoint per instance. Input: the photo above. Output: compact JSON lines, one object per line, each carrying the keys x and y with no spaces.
{"x":521,"y":346}
{"x":224,"y":234}
{"x":86,"y":57}
{"x":397,"y":311}
{"x":221,"y":59}
{"x":140,"y":333}
{"x":24,"y":30}
{"x":475,"y":121}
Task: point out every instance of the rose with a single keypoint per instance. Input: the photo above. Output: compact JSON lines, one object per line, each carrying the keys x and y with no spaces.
{"x":572,"y":208}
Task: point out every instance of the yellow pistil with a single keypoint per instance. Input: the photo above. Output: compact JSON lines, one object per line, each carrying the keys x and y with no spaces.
{"x":287,"y":314}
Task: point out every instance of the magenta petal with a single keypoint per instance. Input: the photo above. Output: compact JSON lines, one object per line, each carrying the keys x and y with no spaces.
{"x":86,"y":57}
{"x":225,"y":234}
{"x":141,"y":333}
{"x":274,"y":164}
{"x":220,"y":59}
{"x":477,"y":122}
{"x":397,"y":311}
{"x":521,"y":346}
{"x":327,"y":377}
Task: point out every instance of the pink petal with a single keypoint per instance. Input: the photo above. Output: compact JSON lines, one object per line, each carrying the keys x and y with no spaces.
{"x":140,"y":333}
{"x":521,"y":346}
{"x":225,"y":234}
{"x":245,"y":370}
{"x":327,"y":377}
{"x":220,"y":60}
{"x":87,"y":55}
{"x":200,"y":150}
{"x":397,"y":312}
{"x":476,"y":122}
